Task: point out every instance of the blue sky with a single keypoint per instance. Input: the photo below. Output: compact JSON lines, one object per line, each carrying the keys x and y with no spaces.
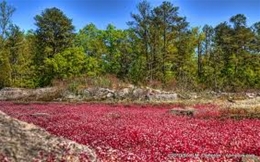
{"x":117,"y":12}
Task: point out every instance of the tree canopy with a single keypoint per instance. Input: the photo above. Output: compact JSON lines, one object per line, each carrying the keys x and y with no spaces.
{"x":159,"y":48}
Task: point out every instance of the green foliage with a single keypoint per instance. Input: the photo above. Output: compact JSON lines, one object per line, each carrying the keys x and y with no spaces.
{"x":92,"y":66}
{"x":6,"y":12}
{"x":5,"y":69}
{"x":138,"y":70}
{"x":54,"y":33}
{"x":102,"y":82}
{"x":235,"y":46}
{"x":159,"y":48}
{"x":20,"y":57}
{"x":109,"y":47}
{"x":157,"y":35}
{"x":90,"y":38}
{"x":116,"y":50}
{"x":73,"y":62}
{"x":74,"y":87}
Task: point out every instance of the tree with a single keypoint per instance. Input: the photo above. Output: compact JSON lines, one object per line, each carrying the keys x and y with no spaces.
{"x":5,"y":69}
{"x":71,"y":63}
{"x":209,"y":34}
{"x":91,"y":39}
{"x":184,"y":63}
{"x":138,"y":67}
{"x":20,"y":57}
{"x":200,"y":38}
{"x":223,"y":42}
{"x":233,"y":49}
{"x":141,"y":26}
{"x":165,"y":19}
{"x":256,"y":42}
{"x":54,"y":33}
{"x":242,"y":39}
{"x":14,"y":43}
{"x":209,"y":66}
{"x":238,"y":21}
{"x":6,"y":13}
{"x":116,"y":57}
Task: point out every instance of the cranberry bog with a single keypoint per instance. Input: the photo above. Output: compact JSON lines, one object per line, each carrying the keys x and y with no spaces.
{"x":119,"y":132}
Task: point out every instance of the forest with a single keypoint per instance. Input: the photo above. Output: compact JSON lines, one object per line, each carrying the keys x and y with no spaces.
{"x":159,"y":48}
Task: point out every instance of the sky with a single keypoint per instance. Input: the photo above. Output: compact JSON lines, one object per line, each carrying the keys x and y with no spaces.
{"x":117,"y":12}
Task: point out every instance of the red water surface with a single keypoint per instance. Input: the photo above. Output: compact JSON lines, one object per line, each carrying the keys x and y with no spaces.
{"x":145,"y":133}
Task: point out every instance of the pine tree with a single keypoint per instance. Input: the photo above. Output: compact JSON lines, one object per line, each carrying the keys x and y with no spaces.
{"x":6,"y":12}
{"x":54,"y":34}
{"x":165,"y":19}
{"x":20,"y":57}
{"x":141,"y":26}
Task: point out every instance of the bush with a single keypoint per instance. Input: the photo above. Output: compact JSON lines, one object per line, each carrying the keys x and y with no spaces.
{"x":71,"y":63}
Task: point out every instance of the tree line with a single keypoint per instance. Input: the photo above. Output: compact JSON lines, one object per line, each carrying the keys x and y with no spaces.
{"x":159,"y":48}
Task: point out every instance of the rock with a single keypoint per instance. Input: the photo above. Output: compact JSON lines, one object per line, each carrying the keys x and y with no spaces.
{"x":139,"y":93}
{"x":24,"y":142}
{"x":251,"y":95}
{"x":183,"y":96}
{"x":154,"y":91}
{"x":193,"y":95}
{"x":70,"y":96}
{"x":231,"y":100}
{"x":110,"y":95}
{"x":251,"y":158}
{"x":86,"y":93}
{"x":163,"y":97}
{"x":13,"y":93}
{"x":124,"y":93}
{"x":96,"y":93}
{"x":130,"y":86}
{"x":43,"y":94}
{"x":103,"y":93}
{"x":91,"y":91}
{"x":183,"y":112}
